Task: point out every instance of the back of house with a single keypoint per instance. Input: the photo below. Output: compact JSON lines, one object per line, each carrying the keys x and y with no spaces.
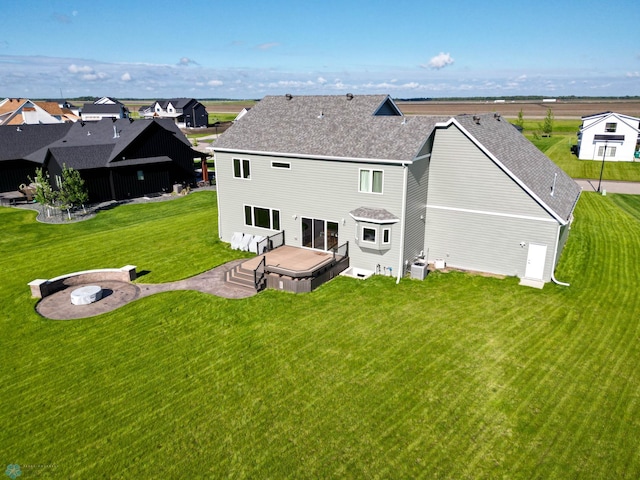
{"x":469,"y":192}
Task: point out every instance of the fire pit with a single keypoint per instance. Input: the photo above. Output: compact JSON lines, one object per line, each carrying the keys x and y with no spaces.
{"x":86,"y":295}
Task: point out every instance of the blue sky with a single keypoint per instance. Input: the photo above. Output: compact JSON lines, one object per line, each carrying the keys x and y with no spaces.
{"x":245,"y":49}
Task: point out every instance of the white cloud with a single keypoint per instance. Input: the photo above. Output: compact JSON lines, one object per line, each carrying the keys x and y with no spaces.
{"x":439,"y":61}
{"x":90,"y":77}
{"x":73,"y":68}
{"x":43,"y":76}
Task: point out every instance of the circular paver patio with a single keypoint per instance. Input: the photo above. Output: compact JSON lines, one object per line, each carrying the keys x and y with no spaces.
{"x":58,"y":306}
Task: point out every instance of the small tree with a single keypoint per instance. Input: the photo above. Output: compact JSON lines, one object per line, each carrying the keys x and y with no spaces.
{"x":45,"y":194}
{"x":547,"y":125}
{"x":520,"y":121}
{"x":73,"y":192}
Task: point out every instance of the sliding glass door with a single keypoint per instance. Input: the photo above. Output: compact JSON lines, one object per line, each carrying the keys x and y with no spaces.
{"x":319,"y":234}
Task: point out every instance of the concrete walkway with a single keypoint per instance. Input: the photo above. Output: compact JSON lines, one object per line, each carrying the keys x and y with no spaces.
{"x":116,"y":294}
{"x":610,"y":186}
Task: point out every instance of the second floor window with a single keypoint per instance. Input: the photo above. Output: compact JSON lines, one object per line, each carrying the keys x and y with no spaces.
{"x":241,"y":168}
{"x":370,"y":181}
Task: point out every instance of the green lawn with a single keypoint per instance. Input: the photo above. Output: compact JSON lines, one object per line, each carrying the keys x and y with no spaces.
{"x":221,"y":117}
{"x":458,"y":376}
{"x":558,"y":148}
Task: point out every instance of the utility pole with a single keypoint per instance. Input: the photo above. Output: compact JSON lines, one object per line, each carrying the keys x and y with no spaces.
{"x":602,"y":168}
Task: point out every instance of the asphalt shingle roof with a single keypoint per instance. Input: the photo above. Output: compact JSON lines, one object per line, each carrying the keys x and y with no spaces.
{"x":26,"y":140}
{"x":328,"y":126}
{"x":94,"y":144}
{"x":375,"y":214}
{"x":527,"y":163}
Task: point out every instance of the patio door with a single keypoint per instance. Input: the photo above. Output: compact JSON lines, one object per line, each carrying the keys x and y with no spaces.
{"x":319,"y":234}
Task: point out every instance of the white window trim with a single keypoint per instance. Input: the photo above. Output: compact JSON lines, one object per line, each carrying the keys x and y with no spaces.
{"x":253,"y":219}
{"x":388,"y":242}
{"x":375,"y":230}
{"x":233,"y":168}
{"x":281,"y":168}
{"x":370,"y":189}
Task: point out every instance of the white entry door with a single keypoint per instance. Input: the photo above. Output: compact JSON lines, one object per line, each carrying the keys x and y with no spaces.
{"x":535,"y":261}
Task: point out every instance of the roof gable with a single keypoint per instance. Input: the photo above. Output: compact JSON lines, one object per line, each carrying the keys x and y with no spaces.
{"x":598,"y":119}
{"x":547,"y":183}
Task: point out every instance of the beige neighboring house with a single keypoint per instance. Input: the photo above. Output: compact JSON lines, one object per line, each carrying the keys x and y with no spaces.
{"x":21,"y":111}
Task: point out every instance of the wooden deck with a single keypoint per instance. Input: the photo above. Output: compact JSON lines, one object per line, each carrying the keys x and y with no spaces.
{"x":294,"y":259}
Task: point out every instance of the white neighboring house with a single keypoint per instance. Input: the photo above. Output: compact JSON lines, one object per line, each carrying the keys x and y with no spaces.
{"x":105,"y":107}
{"x":185,"y":112}
{"x":609,"y":136}
{"x":242,"y":113}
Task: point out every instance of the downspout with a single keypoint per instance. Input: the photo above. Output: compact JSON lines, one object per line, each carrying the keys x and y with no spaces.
{"x":402,"y":223}
{"x":555,"y":252}
{"x":553,"y":270}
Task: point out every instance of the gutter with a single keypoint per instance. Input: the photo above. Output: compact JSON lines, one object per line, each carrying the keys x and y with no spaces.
{"x":387,"y":161}
{"x":403,"y":221}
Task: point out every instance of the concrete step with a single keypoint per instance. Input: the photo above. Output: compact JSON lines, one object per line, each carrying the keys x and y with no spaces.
{"x":527,"y":282}
{"x":240,"y":278}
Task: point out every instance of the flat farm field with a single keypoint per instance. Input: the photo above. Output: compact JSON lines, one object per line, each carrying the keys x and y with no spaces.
{"x":530,"y":109}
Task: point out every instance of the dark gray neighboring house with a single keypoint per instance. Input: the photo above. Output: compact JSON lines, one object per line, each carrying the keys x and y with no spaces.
{"x":22,"y":150}
{"x":469,"y":192}
{"x":118,"y":159}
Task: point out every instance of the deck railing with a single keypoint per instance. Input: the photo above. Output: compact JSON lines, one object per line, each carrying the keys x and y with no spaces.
{"x":341,"y":251}
{"x":258,"y":274}
{"x":269,"y":243}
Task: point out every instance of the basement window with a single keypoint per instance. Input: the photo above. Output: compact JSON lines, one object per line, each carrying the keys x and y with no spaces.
{"x":140,"y":175}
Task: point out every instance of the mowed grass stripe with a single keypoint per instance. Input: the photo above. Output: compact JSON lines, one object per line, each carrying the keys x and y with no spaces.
{"x":457,"y":376}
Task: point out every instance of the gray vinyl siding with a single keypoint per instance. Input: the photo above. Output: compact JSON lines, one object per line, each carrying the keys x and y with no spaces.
{"x":487,"y":243}
{"x":321,"y":189}
{"x":477,"y":216}
{"x":462,"y":176}
{"x":417,"y":181}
